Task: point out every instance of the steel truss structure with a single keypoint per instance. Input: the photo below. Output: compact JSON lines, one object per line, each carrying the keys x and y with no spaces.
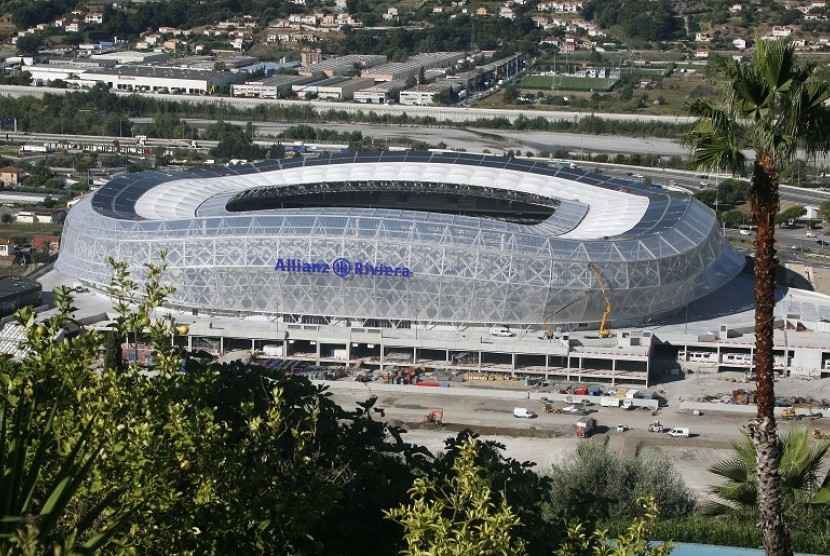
{"x":228,"y":248}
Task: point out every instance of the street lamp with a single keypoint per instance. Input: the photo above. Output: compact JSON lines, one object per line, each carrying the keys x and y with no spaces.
{"x":417,"y":310}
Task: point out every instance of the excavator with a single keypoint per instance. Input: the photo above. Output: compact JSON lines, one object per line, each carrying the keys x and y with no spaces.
{"x":436,"y":416}
{"x":603,"y":331}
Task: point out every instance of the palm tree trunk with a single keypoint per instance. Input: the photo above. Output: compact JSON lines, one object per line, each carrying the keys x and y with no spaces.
{"x":762,"y":431}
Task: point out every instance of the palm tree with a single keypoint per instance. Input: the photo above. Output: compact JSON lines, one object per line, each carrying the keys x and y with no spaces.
{"x":771,"y":107}
{"x":804,"y":491}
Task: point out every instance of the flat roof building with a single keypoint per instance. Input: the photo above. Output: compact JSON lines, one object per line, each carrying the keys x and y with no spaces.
{"x":131,"y":57}
{"x":343,"y":90}
{"x":162,"y":79}
{"x":380,"y":93}
{"x":341,"y":65}
{"x":422,"y":95}
{"x":412,"y":66}
{"x":17,"y":291}
{"x":277,"y":86}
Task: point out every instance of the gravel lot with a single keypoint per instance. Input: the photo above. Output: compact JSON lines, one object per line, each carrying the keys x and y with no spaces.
{"x":548,"y":439}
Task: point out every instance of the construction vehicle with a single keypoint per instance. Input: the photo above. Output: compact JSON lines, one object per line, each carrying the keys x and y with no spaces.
{"x":550,"y":408}
{"x":603,"y":331}
{"x":656,"y":426}
{"x":550,"y":332}
{"x":436,"y":417}
{"x":819,"y":435}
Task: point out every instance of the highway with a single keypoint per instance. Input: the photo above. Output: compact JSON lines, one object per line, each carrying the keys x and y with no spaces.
{"x":442,"y":113}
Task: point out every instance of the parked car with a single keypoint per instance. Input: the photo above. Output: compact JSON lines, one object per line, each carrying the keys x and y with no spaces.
{"x":622,"y":428}
{"x":810,"y":234}
{"x":744,"y":232}
{"x":523,"y":413}
{"x":573,"y":409}
{"x":501,"y":331}
{"x":681,"y":432}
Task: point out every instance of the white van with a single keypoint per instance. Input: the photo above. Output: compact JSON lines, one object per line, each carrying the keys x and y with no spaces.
{"x":523,"y":413}
{"x":501,"y":331}
{"x":681,"y":432}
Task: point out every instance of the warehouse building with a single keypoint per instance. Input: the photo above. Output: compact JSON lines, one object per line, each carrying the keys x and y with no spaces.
{"x":159,"y":79}
{"x":380,"y":93}
{"x":413,"y":65}
{"x":277,"y":86}
{"x":342,"y":65}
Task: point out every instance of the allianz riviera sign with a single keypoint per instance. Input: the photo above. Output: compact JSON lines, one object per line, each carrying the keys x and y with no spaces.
{"x":342,"y":267}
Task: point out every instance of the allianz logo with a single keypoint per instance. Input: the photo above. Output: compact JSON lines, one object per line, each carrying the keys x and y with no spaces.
{"x":341,"y":267}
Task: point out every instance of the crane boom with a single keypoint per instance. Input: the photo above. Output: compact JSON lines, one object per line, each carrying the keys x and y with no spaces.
{"x":603,"y":331}
{"x":551,"y":333}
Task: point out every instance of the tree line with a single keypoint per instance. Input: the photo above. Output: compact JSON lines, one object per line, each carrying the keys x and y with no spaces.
{"x":187,"y":456}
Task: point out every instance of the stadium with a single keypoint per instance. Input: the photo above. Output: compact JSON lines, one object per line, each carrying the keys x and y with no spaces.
{"x":390,"y":239}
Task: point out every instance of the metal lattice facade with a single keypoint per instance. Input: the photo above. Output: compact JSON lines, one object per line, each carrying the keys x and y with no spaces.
{"x":655,"y":250}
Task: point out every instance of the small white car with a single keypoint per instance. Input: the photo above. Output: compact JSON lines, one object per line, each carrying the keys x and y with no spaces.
{"x":809,"y":234}
{"x":523,"y":413}
{"x":744,"y":232}
{"x":573,"y":409}
{"x":502,"y":331}
{"x":679,"y":432}
{"x":622,"y":428}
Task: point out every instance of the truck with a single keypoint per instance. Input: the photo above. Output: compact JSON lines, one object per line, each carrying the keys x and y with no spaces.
{"x":609,"y":401}
{"x":33,"y":149}
{"x":585,"y":426}
{"x":272,"y":350}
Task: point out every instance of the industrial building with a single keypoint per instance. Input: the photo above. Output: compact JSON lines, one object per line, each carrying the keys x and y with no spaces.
{"x":413,"y":65}
{"x":277,"y":86}
{"x":380,"y":93}
{"x":424,"y":95}
{"x":17,"y":291}
{"x":157,"y":79}
{"x":342,"y":65}
{"x":123,"y":57}
{"x":490,"y":74}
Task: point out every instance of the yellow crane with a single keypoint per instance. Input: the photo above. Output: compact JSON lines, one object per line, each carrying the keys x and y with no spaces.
{"x":603,"y":331}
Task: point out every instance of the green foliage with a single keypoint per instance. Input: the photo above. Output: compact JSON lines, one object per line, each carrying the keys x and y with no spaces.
{"x":734,"y":218}
{"x":33,"y":498}
{"x":824,"y":211}
{"x":458,"y":515}
{"x":598,"y":485}
{"x":634,"y":541}
{"x":805,"y":488}
{"x":169,"y":126}
{"x":790,"y":213}
{"x":234,"y":142}
{"x":637,"y":20}
{"x":733,"y":192}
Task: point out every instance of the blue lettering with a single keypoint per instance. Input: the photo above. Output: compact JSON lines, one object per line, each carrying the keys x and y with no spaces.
{"x":356,"y":268}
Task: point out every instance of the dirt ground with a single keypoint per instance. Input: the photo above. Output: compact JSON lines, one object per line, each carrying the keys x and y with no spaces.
{"x":548,"y":440}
